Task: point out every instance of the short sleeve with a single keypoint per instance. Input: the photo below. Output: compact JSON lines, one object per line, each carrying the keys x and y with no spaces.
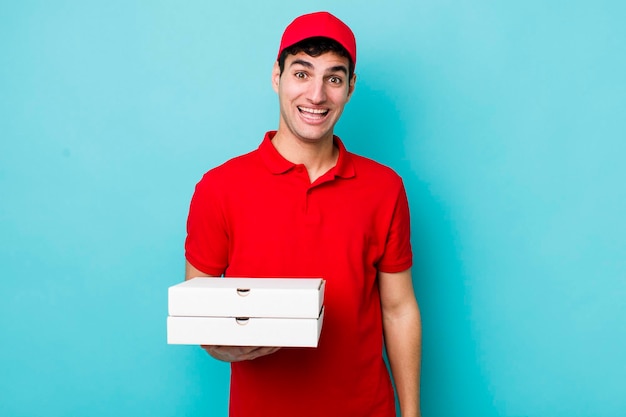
{"x":207,"y":242}
{"x":398,"y":255}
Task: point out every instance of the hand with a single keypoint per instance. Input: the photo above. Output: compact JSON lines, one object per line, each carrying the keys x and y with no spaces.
{"x":238,"y":353}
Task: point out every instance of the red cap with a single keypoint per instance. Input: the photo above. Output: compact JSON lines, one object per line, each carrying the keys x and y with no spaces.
{"x":317,"y":24}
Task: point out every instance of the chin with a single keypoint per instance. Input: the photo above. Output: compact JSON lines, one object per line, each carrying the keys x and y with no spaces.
{"x":313,"y":138}
{"x":309,"y":135}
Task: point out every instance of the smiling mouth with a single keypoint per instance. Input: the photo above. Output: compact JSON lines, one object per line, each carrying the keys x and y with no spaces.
{"x":313,"y":113}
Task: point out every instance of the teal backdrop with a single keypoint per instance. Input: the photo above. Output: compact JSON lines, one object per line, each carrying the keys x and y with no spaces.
{"x":507,"y":120}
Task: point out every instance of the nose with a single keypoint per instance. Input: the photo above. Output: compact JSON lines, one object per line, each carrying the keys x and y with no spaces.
{"x":317,"y":91}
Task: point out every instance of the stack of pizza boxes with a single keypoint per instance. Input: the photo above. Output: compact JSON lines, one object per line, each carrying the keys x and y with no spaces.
{"x":246,"y":312}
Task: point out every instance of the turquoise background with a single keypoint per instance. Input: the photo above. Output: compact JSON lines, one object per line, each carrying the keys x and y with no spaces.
{"x":507,"y":121}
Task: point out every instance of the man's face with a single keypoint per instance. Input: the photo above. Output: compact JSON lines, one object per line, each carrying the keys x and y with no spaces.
{"x":312,"y":92}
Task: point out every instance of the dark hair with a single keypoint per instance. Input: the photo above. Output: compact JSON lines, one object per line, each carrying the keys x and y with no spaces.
{"x":315,"y":47}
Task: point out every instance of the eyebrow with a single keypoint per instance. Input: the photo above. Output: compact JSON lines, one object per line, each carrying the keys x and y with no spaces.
{"x":339,"y":68}
{"x":307,"y":64}
{"x":301,"y":62}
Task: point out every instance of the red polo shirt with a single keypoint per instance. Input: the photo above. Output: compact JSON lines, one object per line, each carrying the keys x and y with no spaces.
{"x":258,"y":215}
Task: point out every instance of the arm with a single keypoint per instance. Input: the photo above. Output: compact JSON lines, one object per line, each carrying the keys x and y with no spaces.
{"x":228,"y":353}
{"x":403,"y":337}
{"x":192,"y":272}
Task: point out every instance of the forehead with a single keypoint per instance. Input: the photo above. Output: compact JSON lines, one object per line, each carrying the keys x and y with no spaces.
{"x":325,"y":61}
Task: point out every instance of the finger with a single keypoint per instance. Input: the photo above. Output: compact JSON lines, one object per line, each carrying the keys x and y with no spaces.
{"x":238,"y":353}
{"x":210,"y":348}
{"x":261,"y":351}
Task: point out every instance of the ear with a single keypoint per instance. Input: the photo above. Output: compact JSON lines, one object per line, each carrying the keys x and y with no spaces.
{"x":275,"y":76}
{"x":351,"y":86}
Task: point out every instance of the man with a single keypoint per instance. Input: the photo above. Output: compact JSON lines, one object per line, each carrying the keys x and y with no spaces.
{"x":302,"y":206}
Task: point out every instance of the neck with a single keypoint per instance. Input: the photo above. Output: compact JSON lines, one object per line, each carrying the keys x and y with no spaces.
{"x":318,"y":157}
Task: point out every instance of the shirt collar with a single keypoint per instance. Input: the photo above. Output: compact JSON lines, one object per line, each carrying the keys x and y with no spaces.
{"x":277,"y":164}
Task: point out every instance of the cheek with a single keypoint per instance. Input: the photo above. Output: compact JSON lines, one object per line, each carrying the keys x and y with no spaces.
{"x":288,"y":92}
{"x":340,"y":98}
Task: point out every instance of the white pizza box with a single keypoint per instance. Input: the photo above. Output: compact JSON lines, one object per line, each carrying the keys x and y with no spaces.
{"x":247,"y":297}
{"x":244,"y":331}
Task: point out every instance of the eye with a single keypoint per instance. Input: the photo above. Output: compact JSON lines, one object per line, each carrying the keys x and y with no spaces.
{"x":335,"y":80}
{"x":300,"y":74}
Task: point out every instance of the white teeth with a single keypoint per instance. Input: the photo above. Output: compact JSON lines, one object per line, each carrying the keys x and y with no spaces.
{"x":314,"y":111}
